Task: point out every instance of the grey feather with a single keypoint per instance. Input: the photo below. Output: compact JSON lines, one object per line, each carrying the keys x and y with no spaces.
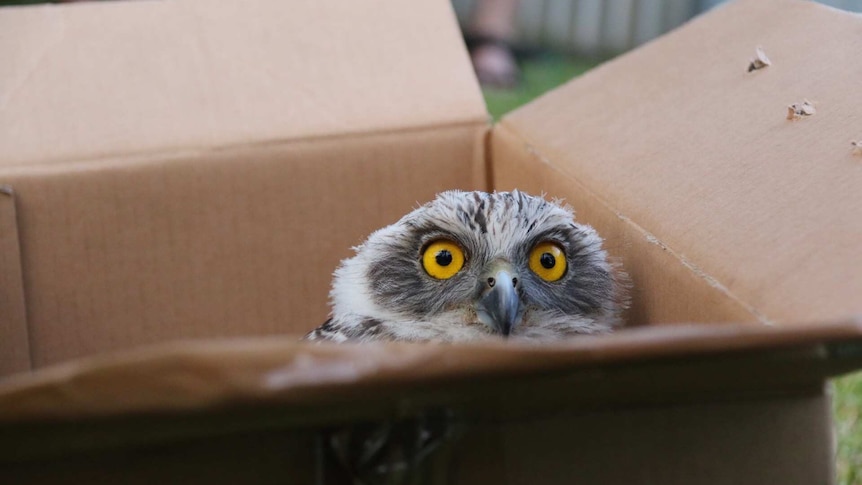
{"x":383,"y":292}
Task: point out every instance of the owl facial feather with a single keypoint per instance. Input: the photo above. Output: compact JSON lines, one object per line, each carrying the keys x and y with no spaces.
{"x":385,"y":281}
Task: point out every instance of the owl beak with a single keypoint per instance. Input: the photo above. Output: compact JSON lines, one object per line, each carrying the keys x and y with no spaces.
{"x":499,"y":306}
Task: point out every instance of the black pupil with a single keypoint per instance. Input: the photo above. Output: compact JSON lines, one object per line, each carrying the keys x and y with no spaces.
{"x":444,"y":257}
{"x":548,"y":260}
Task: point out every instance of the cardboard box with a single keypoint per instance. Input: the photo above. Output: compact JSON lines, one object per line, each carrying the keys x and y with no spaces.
{"x":188,"y":174}
{"x":187,"y":170}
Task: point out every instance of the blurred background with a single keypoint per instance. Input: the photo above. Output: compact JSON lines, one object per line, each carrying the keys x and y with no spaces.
{"x":601,"y":28}
{"x":521,"y":49}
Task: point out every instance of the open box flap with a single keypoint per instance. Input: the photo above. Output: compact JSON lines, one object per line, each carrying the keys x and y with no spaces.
{"x":99,"y":79}
{"x":196,"y":169}
{"x":644,"y":364}
{"x":679,"y":140}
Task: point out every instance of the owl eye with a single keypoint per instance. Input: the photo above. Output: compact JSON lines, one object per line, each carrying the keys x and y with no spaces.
{"x":442,"y":259}
{"x":548,"y":261}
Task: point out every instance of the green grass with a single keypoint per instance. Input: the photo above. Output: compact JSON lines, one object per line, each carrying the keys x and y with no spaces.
{"x":847,"y":406}
{"x":541,"y":75}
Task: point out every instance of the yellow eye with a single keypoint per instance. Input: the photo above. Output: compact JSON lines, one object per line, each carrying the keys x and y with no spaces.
{"x":548,"y":261}
{"x":442,"y":259}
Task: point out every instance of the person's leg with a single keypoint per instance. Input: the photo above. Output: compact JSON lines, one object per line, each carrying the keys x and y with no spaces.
{"x":492,"y":28}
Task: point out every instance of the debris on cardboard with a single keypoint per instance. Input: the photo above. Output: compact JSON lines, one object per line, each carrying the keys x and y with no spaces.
{"x":857,"y":147}
{"x":797,"y":110}
{"x":759,"y":61}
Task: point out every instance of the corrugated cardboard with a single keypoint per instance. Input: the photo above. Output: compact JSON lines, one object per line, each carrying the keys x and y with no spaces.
{"x":13,"y":324}
{"x":101,"y":80}
{"x":638,"y":398}
{"x":687,"y":163}
{"x":201,"y":375}
{"x":208,"y":185}
{"x":230,"y":243}
{"x":184,"y":169}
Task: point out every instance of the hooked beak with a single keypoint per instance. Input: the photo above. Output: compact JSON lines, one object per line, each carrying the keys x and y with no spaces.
{"x":499,"y":306}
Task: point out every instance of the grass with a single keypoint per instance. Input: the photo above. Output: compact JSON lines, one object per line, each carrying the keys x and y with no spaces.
{"x":847,"y":407}
{"x":539,"y":76}
{"x":543,"y":74}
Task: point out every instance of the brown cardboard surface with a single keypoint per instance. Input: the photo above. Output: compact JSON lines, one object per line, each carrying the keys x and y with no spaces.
{"x":15,"y":355}
{"x":747,"y":442}
{"x":138,"y":251}
{"x":777,"y":440}
{"x":96,"y":80}
{"x":188,"y":170}
{"x":205,"y":375}
{"x":663,"y":290}
{"x":276,"y":457}
{"x":693,"y":157}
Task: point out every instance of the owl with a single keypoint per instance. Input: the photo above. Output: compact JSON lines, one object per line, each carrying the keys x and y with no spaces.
{"x":471,"y":266}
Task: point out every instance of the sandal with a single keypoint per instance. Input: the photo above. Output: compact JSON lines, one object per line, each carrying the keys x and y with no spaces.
{"x":495,"y":61}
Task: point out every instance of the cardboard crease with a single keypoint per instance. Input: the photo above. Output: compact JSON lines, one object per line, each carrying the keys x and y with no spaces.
{"x":126,"y":158}
{"x":647,"y":235}
{"x":37,"y":60}
{"x":17,"y":355}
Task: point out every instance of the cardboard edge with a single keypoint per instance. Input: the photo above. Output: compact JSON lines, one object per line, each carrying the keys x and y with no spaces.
{"x":660,"y":385}
{"x":170,"y":151}
{"x":14,"y":333}
{"x":283,"y":370}
{"x":483,"y":159}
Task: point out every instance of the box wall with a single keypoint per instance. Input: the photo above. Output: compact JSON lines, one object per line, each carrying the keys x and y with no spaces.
{"x":680,"y":138}
{"x":749,"y":442}
{"x":663,"y":289}
{"x":275,"y":457}
{"x":14,"y":336}
{"x":101,"y":79}
{"x":785,"y":441}
{"x":231,"y":242}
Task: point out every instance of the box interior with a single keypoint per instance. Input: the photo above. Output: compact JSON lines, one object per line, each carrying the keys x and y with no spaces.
{"x":201,"y":170}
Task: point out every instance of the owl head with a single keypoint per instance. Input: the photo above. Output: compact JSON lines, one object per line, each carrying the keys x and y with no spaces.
{"x":473,"y":265}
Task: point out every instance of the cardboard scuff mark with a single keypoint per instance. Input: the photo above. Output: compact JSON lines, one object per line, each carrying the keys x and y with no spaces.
{"x":696,"y":270}
{"x":857,"y":147}
{"x":797,"y":110}
{"x":759,"y":61}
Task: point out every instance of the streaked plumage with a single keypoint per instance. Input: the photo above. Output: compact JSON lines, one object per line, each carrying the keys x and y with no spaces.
{"x":387,"y":291}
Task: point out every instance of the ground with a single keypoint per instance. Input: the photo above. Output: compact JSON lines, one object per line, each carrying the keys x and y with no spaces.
{"x":545,"y":73}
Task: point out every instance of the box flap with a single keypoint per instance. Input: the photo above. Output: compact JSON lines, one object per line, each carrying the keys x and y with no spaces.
{"x":203,"y":375}
{"x":190,"y":169}
{"x":240,"y":241}
{"x":99,"y":79}
{"x":680,"y":139}
{"x":184,"y":391}
{"x":15,"y":355}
